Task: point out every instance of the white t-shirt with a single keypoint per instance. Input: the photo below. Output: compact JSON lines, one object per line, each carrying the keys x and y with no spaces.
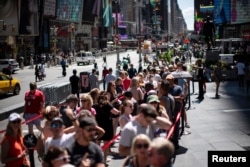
{"x":240,"y":66}
{"x":64,"y":141}
{"x":133,"y":128}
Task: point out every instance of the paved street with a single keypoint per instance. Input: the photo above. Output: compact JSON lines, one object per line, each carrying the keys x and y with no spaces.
{"x":216,"y":124}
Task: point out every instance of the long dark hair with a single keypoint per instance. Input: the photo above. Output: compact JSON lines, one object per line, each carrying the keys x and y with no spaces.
{"x":102,"y":99}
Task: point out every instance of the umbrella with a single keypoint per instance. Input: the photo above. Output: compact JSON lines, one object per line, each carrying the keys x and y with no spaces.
{"x":181,"y":74}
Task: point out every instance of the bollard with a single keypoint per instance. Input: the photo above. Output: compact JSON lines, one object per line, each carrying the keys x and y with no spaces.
{"x":30,"y":141}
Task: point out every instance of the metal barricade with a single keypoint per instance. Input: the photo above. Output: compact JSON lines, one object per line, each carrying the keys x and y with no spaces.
{"x":55,"y":93}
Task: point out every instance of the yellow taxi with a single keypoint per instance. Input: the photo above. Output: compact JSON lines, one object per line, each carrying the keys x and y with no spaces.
{"x":9,"y":85}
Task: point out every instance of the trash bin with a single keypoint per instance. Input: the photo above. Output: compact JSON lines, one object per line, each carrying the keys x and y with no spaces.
{"x":85,"y":86}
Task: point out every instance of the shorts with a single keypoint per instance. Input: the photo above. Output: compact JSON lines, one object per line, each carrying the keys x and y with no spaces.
{"x":29,"y":116}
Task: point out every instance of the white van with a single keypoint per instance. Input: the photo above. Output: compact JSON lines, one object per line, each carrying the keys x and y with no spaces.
{"x":4,"y":66}
{"x":84,"y":57}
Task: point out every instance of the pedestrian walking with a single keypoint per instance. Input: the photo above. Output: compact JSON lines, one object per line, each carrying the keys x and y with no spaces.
{"x":217,"y":78}
{"x":33,"y":106}
{"x":93,"y":80}
{"x":241,"y":73}
{"x":75,"y":84}
{"x":105,"y":71}
{"x":63,"y":64}
{"x":109,"y":77}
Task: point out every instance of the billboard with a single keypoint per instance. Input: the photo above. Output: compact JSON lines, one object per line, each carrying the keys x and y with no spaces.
{"x":202,"y":9}
{"x":49,"y":8}
{"x":28,"y":17}
{"x":69,"y":10}
{"x":240,"y":11}
{"x":222,"y":11}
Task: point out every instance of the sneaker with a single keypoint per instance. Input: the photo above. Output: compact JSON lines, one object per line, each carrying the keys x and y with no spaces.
{"x":187,"y":125}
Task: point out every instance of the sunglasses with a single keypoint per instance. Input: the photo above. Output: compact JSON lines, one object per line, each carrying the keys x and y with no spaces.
{"x":65,"y":158}
{"x":56,"y":125}
{"x":140,"y":146}
{"x":90,"y":129}
{"x":16,"y":122}
{"x":84,"y":100}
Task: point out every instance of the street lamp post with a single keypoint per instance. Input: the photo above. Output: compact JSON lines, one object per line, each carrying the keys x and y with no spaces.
{"x":139,"y":5}
{"x":116,"y":36}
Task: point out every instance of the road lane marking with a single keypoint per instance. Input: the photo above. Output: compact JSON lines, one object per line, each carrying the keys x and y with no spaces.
{"x":235,"y":110}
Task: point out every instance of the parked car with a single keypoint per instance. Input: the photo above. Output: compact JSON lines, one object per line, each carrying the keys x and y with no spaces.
{"x":9,"y":66}
{"x":9,"y":85}
{"x":84,"y":57}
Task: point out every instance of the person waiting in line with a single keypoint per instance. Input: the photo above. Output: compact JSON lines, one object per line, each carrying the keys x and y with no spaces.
{"x":217,"y":78}
{"x":75,"y":84}
{"x":84,"y":145}
{"x":119,"y":86}
{"x":161,"y":152}
{"x":132,"y":72}
{"x":104,"y":111}
{"x":105,"y":71}
{"x":58,"y":138}
{"x":126,"y":113}
{"x":136,"y":90}
{"x":13,"y":151}
{"x":110,"y":77}
{"x":161,"y":111}
{"x":94,"y":93}
{"x":56,"y":157}
{"x":145,"y":122}
{"x":139,"y":152}
{"x":86,"y":104}
{"x":126,"y":81}
{"x":67,"y":111}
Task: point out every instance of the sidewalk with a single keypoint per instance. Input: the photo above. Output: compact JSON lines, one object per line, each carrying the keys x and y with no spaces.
{"x":216,"y":124}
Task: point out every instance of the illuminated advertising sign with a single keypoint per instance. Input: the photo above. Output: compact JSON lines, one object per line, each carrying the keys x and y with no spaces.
{"x":202,"y":8}
{"x":222,"y":11}
{"x":240,"y":11}
{"x":69,"y":10}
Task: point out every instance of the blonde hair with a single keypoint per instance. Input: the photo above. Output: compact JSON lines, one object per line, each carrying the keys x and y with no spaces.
{"x":89,"y":98}
{"x":134,"y":82}
{"x":163,"y":147}
{"x":139,"y":137}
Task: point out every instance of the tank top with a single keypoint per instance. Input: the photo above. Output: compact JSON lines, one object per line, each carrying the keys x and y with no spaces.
{"x":16,"y":148}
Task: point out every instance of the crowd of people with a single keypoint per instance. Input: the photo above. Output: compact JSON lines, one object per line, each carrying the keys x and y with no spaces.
{"x":143,"y":105}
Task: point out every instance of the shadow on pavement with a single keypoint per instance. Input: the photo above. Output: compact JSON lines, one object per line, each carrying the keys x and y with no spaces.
{"x":117,"y":156}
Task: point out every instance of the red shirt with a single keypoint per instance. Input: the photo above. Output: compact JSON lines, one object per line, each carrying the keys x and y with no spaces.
{"x":104,"y":73}
{"x":16,"y":148}
{"x":126,"y":83}
{"x":33,"y":102}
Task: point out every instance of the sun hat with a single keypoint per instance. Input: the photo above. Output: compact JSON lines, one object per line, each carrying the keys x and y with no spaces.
{"x":153,"y":98}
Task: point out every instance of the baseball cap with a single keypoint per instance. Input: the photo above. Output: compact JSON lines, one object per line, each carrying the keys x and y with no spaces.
{"x":14,"y":116}
{"x":57,"y":119}
{"x":153,"y":98}
{"x":87,"y":121}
